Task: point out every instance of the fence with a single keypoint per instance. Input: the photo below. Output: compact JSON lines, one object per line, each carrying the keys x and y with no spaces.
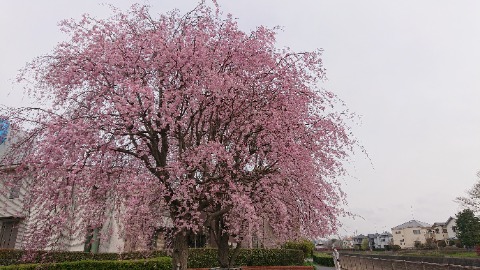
{"x":359,"y":262}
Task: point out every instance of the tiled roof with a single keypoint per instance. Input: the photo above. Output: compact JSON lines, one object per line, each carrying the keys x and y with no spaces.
{"x":411,"y":224}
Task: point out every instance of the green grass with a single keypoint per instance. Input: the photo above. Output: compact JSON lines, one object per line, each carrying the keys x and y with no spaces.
{"x":463,"y":255}
{"x":322,"y":254}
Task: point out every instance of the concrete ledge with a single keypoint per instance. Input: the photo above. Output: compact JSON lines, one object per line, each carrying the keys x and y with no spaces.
{"x":266,"y":268}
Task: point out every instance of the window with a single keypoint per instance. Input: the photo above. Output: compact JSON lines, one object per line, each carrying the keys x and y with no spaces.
{"x":416,"y":231}
{"x":444,"y":231}
{"x":454,"y":229}
{"x":398,"y":232}
{"x":437,"y":231}
{"x":92,"y":241}
{"x":14,"y":192}
{"x":8,"y":233}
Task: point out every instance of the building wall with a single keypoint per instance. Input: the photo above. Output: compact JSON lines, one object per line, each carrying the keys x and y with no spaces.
{"x":11,"y":208}
{"x":409,"y":236}
{"x":382,"y":241}
{"x":450,"y":229}
{"x":264,"y":238}
{"x":439,"y":233}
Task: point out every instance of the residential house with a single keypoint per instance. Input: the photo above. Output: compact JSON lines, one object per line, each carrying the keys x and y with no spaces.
{"x":348,"y":242}
{"x":439,"y":231}
{"x":451,"y":225}
{"x":357,"y":241}
{"x":372,"y":239}
{"x":383,"y":239}
{"x":408,"y":234}
{"x":444,"y":231}
{"x":379,"y":240}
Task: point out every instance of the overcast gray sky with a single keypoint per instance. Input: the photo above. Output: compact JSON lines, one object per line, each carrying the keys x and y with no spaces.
{"x":409,"y":68}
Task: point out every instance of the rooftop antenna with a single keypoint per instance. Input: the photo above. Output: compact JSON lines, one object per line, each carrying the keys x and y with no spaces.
{"x":413,"y":216}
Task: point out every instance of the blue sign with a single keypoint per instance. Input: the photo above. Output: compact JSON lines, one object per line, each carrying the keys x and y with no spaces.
{"x":4,"y":125}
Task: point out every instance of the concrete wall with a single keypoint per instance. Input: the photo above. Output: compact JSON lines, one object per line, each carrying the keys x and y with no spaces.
{"x":351,"y":262}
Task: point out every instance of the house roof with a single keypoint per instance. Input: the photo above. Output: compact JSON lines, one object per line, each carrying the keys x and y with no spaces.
{"x":412,"y":224}
{"x":438,"y":224}
{"x":450,"y":219}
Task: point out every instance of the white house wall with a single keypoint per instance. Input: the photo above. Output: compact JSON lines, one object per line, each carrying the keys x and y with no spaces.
{"x":450,"y":225}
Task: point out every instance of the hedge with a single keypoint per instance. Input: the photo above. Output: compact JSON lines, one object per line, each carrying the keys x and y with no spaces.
{"x":207,"y":258}
{"x":161,"y":263}
{"x":11,"y":256}
{"x":306,"y":246}
{"x":198,"y":258}
{"x":323,"y":259}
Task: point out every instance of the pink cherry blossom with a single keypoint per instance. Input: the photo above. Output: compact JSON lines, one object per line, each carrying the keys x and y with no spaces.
{"x":185,"y":116}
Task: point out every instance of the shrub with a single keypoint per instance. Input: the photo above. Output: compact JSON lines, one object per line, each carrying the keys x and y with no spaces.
{"x":323,"y":259}
{"x":396,"y":248}
{"x":441,"y":243}
{"x":458,"y":244}
{"x":10,"y":256}
{"x":304,"y":245}
{"x":162,"y":263}
{"x":207,"y":258}
{"x":275,"y":257}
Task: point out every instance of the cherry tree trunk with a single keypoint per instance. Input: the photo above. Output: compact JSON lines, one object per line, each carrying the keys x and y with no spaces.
{"x":180,"y":251}
{"x":223,"y":250}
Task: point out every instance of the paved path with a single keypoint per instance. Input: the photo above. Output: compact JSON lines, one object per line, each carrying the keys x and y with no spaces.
{"x":317,"y":267}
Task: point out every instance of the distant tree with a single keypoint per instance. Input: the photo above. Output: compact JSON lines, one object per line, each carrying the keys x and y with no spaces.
{"x":468,"y":228}
{"x":365,"y":244}
{"x":472,"y":200}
